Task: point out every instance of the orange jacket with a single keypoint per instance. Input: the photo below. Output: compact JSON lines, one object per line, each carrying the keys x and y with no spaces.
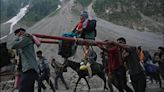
{"x":141,"y":56}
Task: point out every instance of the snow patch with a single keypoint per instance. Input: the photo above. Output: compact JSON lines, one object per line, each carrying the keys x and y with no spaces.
{"x":59,"y":6}
{"x":15,"y":19}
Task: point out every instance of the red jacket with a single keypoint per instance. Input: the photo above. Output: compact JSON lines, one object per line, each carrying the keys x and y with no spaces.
{"x":114,"y":59}
{"x":79,"y":25}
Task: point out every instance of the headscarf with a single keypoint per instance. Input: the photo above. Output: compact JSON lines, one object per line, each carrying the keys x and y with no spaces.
{"x":84,"y":15}
{"x":84,"y":18}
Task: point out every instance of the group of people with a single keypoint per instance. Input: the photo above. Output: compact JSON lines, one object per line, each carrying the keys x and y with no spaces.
{"x":117,"y":57}
{"x":120,"y":58}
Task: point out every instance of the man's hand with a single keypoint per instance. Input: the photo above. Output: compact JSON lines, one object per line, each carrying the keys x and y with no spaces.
{"x":110,"y":75}
{"x":125,"y":54}
{"x":98,"y":45}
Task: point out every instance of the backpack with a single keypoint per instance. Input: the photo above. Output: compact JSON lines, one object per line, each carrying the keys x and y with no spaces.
{"x":90,"y":31}
{"x":150,"y":68}
{"x":147,"y":57}
{"x":67,"y":48}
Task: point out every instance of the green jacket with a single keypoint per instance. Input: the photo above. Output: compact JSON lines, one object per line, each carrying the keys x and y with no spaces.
{"x":27,"y":53}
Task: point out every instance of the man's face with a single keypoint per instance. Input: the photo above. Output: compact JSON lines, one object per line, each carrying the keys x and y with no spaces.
{"x":39,"y":55}
{"x":18,"y":34}
{"x":81,"y":17}
{"x":120,"y":41}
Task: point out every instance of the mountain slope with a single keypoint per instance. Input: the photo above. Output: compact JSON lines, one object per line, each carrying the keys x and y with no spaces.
{"x":65,"y":21}
{"x":130,"y":13}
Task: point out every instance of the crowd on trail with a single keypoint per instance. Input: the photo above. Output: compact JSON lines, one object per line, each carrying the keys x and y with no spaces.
{"x":118,"y":59}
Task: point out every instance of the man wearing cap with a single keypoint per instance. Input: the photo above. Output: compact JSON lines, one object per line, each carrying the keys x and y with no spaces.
{"x":25,"y":44}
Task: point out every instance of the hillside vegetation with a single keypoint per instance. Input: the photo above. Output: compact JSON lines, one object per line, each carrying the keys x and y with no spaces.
{"x":143,"y":15}
{"x":9,"y":9}
{"x":39,"y":9}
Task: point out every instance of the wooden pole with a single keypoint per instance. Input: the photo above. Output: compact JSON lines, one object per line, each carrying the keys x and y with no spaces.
{"x":49,"y":42}
{"x":77,"y":40}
